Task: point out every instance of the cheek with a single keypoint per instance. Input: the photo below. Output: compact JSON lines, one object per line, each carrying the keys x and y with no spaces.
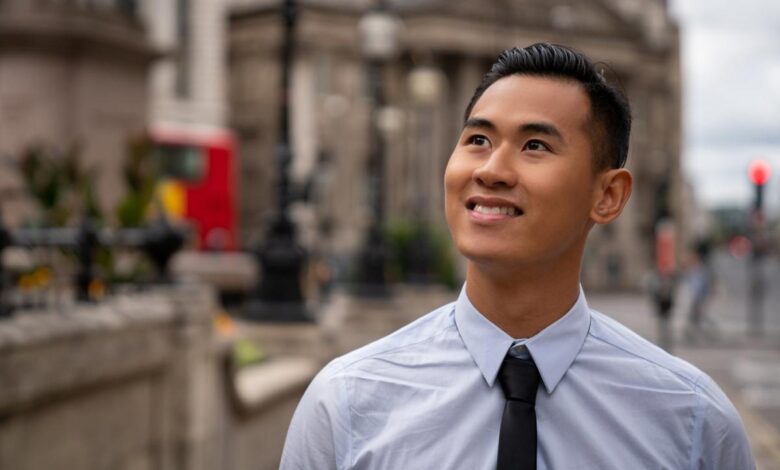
{"x":554,"y":189}
{"x":569,"y":199}
{"x":453,"y":188}
{"x":456,"y":174}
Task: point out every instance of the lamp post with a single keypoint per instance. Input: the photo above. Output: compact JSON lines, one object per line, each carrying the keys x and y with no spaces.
{"x":426,"y":85}
{"x":279,"y":296}
{"x":379,"y":36}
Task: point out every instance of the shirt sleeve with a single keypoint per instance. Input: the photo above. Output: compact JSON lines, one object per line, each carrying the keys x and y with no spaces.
{"x":723,"y":442}
{"x":318,"y":432}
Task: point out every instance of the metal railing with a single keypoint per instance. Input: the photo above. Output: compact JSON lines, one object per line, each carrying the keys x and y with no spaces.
{"x":127,"y":7}
{"x":158,"y":241}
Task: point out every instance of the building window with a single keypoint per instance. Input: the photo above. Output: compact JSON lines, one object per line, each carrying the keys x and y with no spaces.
{"x":181,"y":162}
{"x":183,"y":46}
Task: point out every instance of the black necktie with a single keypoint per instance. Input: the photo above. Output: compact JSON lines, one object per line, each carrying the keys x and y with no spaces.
{"x":519,"y":378}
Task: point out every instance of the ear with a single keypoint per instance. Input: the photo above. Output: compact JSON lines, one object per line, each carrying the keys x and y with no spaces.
{"x":613,"y":188}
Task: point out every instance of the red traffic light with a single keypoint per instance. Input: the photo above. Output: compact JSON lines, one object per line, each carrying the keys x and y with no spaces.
{"x":759,"y":172}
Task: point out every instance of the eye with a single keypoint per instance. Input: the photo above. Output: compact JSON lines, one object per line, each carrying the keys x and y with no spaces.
{"x":537,"y":146}
{"x":478,"y":140}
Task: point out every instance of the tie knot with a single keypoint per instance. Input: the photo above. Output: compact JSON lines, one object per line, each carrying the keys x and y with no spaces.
{"x":519,"y":378}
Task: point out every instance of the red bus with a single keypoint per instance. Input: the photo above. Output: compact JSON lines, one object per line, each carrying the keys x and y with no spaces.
{"x":198,"y":182}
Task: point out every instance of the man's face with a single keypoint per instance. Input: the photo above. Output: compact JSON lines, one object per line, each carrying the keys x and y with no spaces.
{"x":520,"y":183}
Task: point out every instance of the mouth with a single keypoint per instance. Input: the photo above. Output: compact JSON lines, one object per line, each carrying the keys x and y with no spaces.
{"x":493,"y":207}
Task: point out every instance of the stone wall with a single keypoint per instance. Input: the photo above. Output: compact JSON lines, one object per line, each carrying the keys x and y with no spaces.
{"x":138,"y":382}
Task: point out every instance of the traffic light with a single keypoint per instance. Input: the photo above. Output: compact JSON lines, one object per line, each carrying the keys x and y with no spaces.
{"x":759,"y":172}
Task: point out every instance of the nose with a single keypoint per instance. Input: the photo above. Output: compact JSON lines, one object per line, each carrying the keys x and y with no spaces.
{"x":497,"y":170}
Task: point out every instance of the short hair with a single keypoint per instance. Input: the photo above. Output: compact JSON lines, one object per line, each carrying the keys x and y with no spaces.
{"x":610,"y":111}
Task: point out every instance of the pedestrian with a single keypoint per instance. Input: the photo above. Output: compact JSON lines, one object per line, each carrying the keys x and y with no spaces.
{"x":519,"y":372}
{"x":661,"y":286}
{"x":700,"y":279}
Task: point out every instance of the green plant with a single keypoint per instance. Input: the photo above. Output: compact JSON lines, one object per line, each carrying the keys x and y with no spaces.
{"x":245,"y":353}
{"x":420,"y":252}
{"x":64,"y":190}
{"x":60,"y":184}
{"x":140,"y":174}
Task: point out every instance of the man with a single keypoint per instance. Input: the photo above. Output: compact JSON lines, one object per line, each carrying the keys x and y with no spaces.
{"x":519,"y":372}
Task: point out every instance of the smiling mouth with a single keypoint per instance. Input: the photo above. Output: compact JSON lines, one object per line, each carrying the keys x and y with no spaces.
{"x":494,"y":210}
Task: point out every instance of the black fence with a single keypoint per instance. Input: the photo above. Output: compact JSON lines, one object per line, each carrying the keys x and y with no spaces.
{"x":158,"y":241}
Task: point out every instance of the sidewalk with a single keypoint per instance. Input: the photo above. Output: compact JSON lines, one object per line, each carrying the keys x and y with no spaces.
{"x":746,"y":368}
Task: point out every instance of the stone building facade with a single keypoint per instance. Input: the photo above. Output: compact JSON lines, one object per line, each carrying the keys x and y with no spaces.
{"x":82,"y":71}
{"x":95,"y":73}
{"x":459,"y":39}
{"x":187,"y":84}
{"x":71,"y":72}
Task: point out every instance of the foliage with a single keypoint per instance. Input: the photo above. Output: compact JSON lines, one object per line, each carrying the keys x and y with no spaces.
{"x":64,"y":190}
{"x":420,"y":252}
{"x":140,"y":175}
{"x":246,"y":352}
{"x":60,"y":184}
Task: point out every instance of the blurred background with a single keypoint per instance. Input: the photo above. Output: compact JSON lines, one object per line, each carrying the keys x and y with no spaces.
{"x":203,"y":201}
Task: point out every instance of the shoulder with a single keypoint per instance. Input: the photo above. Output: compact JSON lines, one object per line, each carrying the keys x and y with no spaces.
{"x":718,"y":435}
{"x":720,"y":439}
{"x":327,"y":396}
{"x":420,"y":334}
{"x":614,"y":340}
{"x":321,"y":428}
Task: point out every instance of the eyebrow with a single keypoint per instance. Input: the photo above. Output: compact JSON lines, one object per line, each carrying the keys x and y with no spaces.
{"x":542,"y":128}
{"x":530,"y":127}
{"x":478,"y":123}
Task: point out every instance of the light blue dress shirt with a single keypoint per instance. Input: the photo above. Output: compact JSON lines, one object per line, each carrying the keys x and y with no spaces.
{"x":426,"y":397}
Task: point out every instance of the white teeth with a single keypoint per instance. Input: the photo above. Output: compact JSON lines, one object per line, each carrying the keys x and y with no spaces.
{"x":503,"y":210}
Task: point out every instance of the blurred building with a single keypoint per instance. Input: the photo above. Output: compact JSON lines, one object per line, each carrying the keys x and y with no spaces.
{"x":71,"y":72}
{"x":84,"y":71}
{"x":187,"y":85}
{"x":446,"y":46}
{"x":96,"y":73}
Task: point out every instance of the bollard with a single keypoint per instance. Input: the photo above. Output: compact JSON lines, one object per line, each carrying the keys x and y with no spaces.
{"x":160,"y":243}
{"x":86,"y":243}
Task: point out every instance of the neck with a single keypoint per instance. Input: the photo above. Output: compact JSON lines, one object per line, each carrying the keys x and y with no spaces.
{"x":522,"y":302}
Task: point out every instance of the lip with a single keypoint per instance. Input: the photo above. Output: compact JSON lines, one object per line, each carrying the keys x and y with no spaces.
{"x":493,"y":202}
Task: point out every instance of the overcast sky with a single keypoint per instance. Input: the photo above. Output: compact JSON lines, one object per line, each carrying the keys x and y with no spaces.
{"x":731,"y":66}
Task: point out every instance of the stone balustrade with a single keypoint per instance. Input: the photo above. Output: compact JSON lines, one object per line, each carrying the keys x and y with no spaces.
{"x":138,"y":382}
{"x":143,"y":381}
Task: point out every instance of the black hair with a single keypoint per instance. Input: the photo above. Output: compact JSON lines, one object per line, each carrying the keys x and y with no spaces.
{"x":610,"y":112}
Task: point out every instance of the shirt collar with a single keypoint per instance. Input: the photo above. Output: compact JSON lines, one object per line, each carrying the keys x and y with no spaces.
{"x":553,"y":349}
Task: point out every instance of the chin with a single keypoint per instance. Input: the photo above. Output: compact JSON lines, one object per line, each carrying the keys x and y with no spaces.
{"x":484,"y":255}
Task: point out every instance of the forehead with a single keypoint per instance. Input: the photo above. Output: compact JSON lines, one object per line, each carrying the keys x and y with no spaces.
{"x":517,"y":99}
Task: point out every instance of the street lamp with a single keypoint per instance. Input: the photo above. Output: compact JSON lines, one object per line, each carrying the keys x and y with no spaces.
{"x":379,"y":35}
{"x":426,"y":85}
{"x":279,"y":296}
